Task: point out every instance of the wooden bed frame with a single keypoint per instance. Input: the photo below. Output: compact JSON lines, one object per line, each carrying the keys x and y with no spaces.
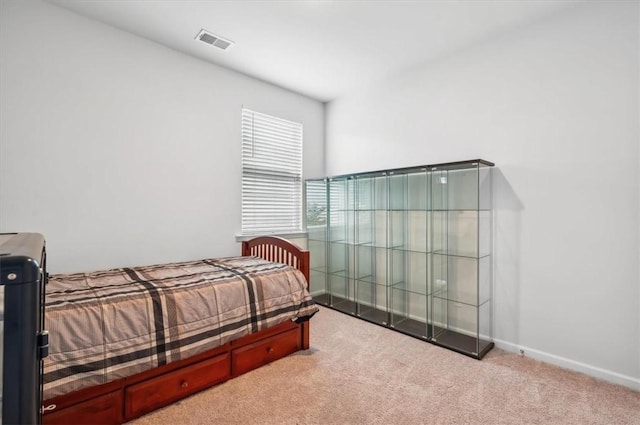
{"x":128,"y":398}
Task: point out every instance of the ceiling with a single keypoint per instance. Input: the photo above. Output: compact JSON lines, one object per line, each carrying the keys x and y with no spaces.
{"x":322,"y":49}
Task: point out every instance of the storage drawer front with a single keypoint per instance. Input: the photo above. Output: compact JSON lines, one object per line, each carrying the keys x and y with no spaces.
{"x":106,"y":409}
{"x":162,"y":390}
{"x":262,"y":352}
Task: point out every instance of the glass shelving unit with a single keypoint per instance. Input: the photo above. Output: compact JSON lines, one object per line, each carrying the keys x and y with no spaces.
{"x":341,"y":237}
{"x":461,"y":258}
{"x":409,"y":249}
{"x":370,"y":248}
{"x":316,"y":206}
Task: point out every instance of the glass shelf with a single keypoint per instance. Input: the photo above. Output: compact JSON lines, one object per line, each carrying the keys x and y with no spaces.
{"x":468,"y":298}
{"x":341,"y":273}
{"x":414,"y":288}
{"x":408,"y":249}
{"x":453,"y":254}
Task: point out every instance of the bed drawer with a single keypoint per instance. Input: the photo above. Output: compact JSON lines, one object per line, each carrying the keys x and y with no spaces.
{"x":105,"y":409}
{"x":164,"y":389}
{"x":264,"y":351}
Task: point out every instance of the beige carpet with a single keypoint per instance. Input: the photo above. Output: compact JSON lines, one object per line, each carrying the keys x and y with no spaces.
{"x":359,"y":373}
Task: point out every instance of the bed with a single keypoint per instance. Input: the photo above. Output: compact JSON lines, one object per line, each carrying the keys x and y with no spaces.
{"x":125,"y":342}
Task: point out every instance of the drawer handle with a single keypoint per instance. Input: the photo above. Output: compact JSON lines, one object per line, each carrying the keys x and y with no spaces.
{"x":184,"y":384}
{"x":269,"y":350}
{"x":49,"y":407}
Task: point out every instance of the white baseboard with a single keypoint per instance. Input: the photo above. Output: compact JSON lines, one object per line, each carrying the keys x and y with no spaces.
{"x":593,"y":371}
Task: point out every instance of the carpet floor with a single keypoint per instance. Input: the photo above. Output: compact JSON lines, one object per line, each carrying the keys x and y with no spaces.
{"x":360,"y":373}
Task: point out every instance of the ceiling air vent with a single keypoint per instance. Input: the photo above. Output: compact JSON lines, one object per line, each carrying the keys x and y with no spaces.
{"x":214,"y":40}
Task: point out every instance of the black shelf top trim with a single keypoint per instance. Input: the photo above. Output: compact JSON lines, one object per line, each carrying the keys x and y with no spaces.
{"x":345,"y":210}
{"x":408,"y":170}
{"x":461,"y":164}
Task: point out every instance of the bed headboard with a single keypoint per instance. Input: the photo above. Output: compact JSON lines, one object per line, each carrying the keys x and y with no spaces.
{"x":280,"y":250}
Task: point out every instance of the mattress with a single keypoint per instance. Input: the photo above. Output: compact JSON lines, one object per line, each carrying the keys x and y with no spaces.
{"x":111,"y":324}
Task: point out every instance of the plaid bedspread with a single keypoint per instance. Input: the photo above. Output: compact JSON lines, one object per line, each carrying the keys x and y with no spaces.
{"x":111,"y":324}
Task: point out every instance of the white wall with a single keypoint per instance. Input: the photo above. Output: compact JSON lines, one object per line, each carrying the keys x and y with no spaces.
{"x":555,"y":106}
{"x":121,"y":151}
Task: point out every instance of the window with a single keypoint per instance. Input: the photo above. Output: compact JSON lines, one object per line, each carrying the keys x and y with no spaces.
{"x":271,"y":174}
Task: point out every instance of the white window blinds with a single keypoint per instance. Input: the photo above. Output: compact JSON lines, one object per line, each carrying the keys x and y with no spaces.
{"x":271,"y":174}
